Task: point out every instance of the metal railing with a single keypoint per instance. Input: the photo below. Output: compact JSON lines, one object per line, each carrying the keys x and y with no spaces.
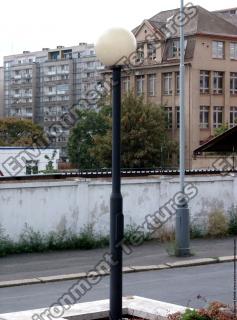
{"x":107,"y":173}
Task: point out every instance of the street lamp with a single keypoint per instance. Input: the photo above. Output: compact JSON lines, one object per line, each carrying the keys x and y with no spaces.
{"x":182,"y":215}
{"x":112,"y":48}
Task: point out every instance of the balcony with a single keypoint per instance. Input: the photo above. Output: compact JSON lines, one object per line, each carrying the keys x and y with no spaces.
{"x":100,"y":68}
{"x":63,"y":71}
{"x":27,"y":95}
{"x":53,"y":93}
{"x":50,"y":73}
{"x":27,"y":76}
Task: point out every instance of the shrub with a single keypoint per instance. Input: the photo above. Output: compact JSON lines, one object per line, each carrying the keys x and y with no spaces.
{"x":217,"y":224}
{"x":166,"y":234}
{"x":34,"y":241}
{"x":6,"y":244}
{"x":196,"y":232}
{"x":232,"y":212}
{"x":89,"y":240}
{"x":134,"y":236}
{"x":188,"y":315}
{"x":31,"y":241}
{"x":216,"y":311}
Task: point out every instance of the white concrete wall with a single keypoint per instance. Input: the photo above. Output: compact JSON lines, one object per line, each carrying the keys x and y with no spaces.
{"x":54,"y":205}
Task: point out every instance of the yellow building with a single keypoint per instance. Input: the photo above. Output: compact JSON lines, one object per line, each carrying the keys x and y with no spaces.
{"x":210,"y":69}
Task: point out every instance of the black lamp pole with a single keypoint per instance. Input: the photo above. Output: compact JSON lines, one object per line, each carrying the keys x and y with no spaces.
{"x":116,"y":204}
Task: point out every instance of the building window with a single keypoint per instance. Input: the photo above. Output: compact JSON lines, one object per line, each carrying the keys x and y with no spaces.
{"x":177,"y":117}
{"x":169,"y":117}
{"x":140,"y":53}
{"x":233,"y":116}
{"x":175,"y":49}
{"x":51,"y":70}
{"x":140,"y":85}
{"x":151,"y":51}
{"x":217,"y":117}
{"x":167,"y":83}
{"x":218,"y":79}
{"x":233,"y":50}
{"x":204,"y":81}
{"x":218,"y":49}
{"x":152,"y":85}
{"x":177,"y":82}
{"x":126,"y":84}
{"x":204,"y":117}
{"x":233,"y":82}
{"x":62,"y":88}
{"x":91,"y":65}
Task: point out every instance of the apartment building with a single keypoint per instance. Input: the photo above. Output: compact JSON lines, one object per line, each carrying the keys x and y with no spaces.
{"x":44,"y":85}
{"x":1,"y":92}
{"x":210,"y":70}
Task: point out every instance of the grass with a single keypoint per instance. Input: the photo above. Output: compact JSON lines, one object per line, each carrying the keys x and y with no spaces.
{"x":132,"y":235}
{"x":34,"y":241}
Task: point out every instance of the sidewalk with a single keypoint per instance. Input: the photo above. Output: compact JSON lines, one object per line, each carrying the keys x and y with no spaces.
{"x":29,"y":266}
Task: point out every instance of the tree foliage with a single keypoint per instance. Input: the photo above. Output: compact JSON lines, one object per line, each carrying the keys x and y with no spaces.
{"x":17,"y":132}
{"x":81,"y":140}
{"x":144,"y":139}
{"x":221,"y":129}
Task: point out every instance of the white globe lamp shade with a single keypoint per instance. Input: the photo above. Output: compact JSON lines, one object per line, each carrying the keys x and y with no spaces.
{"x":115,"y":46}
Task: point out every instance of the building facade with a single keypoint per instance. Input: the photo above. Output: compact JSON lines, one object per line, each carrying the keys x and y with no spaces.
{"x":1,"y":92}
{"x":42,"y":86}
{"x":210,"y":70}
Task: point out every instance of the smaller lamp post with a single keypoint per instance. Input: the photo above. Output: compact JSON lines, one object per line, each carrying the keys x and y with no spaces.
{"x":111,"y":49}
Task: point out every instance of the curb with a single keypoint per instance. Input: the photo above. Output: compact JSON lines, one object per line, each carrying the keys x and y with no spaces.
{"x":130,"y":269}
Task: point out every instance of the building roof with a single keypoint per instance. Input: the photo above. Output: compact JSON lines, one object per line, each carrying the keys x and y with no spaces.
{"x":202,"y":21}
{"x":228,"y":17}
{"x":225,"y":142}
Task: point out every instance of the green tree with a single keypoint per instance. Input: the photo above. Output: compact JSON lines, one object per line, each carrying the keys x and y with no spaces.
{"x":17,"y":132}
{"x":144,"y":138}
{"x":90,"y":123}
{"x":221,"y":129}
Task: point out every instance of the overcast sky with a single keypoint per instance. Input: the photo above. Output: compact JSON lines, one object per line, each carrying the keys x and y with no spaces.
{"x":32,"y":25}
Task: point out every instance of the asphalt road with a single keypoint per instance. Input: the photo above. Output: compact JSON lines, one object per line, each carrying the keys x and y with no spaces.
{"x":181,"y":286}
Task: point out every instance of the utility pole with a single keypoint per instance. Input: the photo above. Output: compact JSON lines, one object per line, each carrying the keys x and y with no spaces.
{"x":182,"y":214}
